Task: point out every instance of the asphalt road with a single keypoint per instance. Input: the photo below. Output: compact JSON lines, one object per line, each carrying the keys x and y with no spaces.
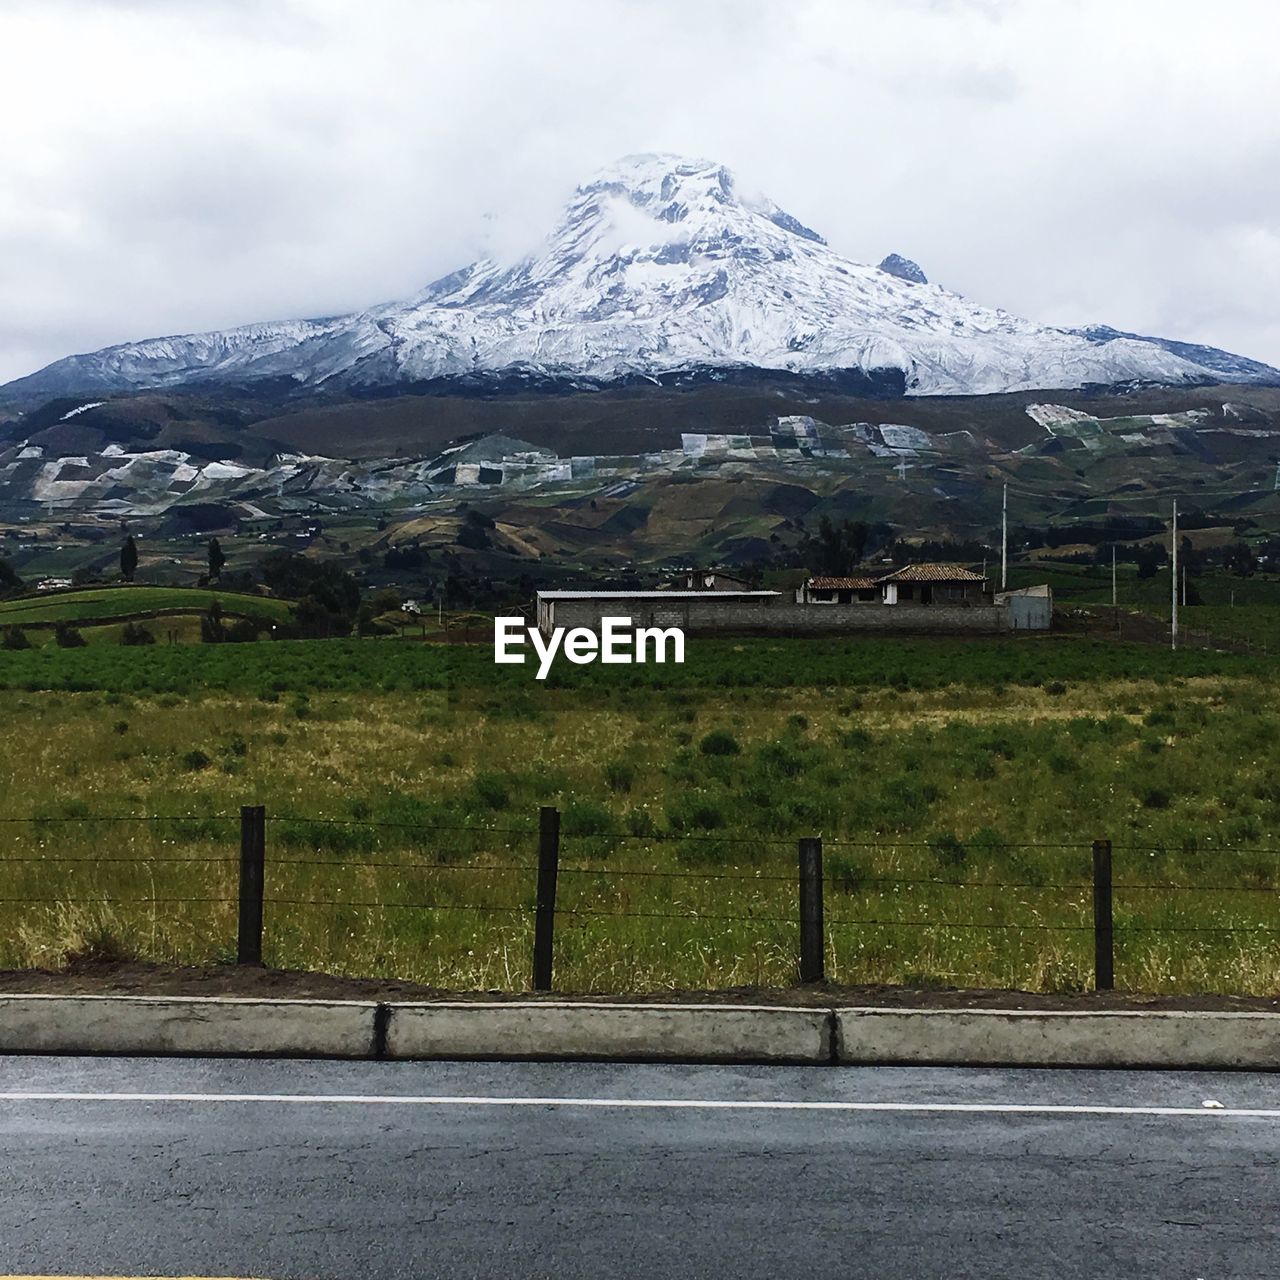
{"x":568,"y":1170}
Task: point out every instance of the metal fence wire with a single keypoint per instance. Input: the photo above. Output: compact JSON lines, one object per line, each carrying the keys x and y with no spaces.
{"x":828,"y":904}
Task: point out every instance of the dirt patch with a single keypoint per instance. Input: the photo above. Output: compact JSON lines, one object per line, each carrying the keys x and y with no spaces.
{"x":135,"y":979}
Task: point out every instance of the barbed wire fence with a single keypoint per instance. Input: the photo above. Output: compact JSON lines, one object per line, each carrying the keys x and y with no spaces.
{"x":552,"y":885}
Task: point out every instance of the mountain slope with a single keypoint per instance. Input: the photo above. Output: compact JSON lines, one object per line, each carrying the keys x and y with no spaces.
{"x":660,"y":266}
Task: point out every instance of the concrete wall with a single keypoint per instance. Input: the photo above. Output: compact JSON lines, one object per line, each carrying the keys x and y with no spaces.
{"x":1030,"y":609}
{"x":777,"y":615}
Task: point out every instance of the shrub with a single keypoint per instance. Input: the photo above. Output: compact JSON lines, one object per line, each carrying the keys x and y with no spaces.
{"x":780,"y":760}
{"x":134,"y":633}
{"x":195,"y":760}
{"x":640,"y":822}
{"x":905,"y":799}
{"x":1155,"y":798}
{"x":719,"y":742}
{"x":854,"y":739}
{"x":65,"y":636}
{"x":1055,"y":688}
{"x":949,"y":849}
{"x":695,"y":813}
{"x":987,"y":840}
{"x":586,"y":818}
{"x":241,"y":631}
{"x":798,"y":722}
{"x":491,"y":790}
{"x":848,"y":876}
{"x":620,"y":775}
{"x":120,"y":727}
{"x":211,"y":628}
{"x":15,"y":638}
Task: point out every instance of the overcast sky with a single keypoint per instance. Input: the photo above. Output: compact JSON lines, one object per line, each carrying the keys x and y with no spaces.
{"x":169,"y":166}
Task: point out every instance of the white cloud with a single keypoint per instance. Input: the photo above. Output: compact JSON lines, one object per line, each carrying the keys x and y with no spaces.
{"x":176,"y":167}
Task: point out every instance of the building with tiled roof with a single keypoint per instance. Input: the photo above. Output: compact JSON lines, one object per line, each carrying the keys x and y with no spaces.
{"x":933,"y":573}
{"x":935,"y":584}
{"x":833,"y":590}
{"x":912,"y":584}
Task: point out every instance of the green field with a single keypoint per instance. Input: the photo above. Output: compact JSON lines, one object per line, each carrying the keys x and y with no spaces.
{"x":957,"y":785}
{"x":97,"y":604}
{"x":1091,"y":584}
{"x":409,"y":665}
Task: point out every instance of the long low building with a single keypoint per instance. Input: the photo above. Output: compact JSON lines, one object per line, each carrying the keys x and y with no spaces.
{"x":920,"y":599}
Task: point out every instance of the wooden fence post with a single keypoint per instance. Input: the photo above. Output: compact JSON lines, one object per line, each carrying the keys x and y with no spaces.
{"x":253,"y":857}
{"x":812,"y":968}
{"x":545,"y":920}
{"x":1103,"y":932}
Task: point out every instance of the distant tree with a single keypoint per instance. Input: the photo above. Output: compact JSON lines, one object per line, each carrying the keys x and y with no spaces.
{"x":409,"y":556}
{"x":134,"y":633}
{"x":15,"y":638}
{"x":1149,"y":556}
{"x":1188,"y":557}
{"x":1240,"y":560}
{"x":10,"y":583}
{"x":837,"y":548}
{"x":216,"y":560}
{"x":328,"y":598}
{"x":65,"y":636}
{"x":211,"y":628}
{"x":474,"y":532}
{"x":128,"y":559}
{"x":368,"y":624}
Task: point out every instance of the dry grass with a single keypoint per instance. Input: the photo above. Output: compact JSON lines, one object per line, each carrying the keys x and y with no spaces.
{"x":931,"y":804}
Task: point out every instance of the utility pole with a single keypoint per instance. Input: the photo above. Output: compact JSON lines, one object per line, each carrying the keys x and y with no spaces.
{"x":1173,"y":627}
{"x":1004,"y":539}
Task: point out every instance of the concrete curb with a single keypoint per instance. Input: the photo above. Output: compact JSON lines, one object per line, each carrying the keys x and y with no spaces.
{"x":524,"y":1030}
{"x":1044,"y":1038}
{"x":648,"y":1032}
{"x":191,"y":1025}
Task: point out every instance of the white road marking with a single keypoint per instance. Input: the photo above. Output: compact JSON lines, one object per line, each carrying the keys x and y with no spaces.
{"x":646,"y":1104}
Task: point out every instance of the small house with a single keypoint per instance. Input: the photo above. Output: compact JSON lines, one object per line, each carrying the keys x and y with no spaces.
{"x":938,"y":584}
{"x":834,"y":590}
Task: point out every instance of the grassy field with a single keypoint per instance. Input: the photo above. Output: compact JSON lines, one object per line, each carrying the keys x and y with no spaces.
{"x":408,"y":665}
{"x":98,"y":604}
{"x":1091,"y":584}
{"x":957,"y":787}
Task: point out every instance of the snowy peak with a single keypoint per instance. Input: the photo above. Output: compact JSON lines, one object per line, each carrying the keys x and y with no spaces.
{"x":661,"y":266}
{"x":699,"y":193}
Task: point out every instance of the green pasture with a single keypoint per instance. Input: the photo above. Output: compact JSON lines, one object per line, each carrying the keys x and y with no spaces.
{"x":101,"y":603}
{"x":957,"y":806}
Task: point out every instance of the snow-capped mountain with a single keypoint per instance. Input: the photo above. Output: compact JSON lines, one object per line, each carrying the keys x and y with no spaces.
{"x":661,"y":266}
